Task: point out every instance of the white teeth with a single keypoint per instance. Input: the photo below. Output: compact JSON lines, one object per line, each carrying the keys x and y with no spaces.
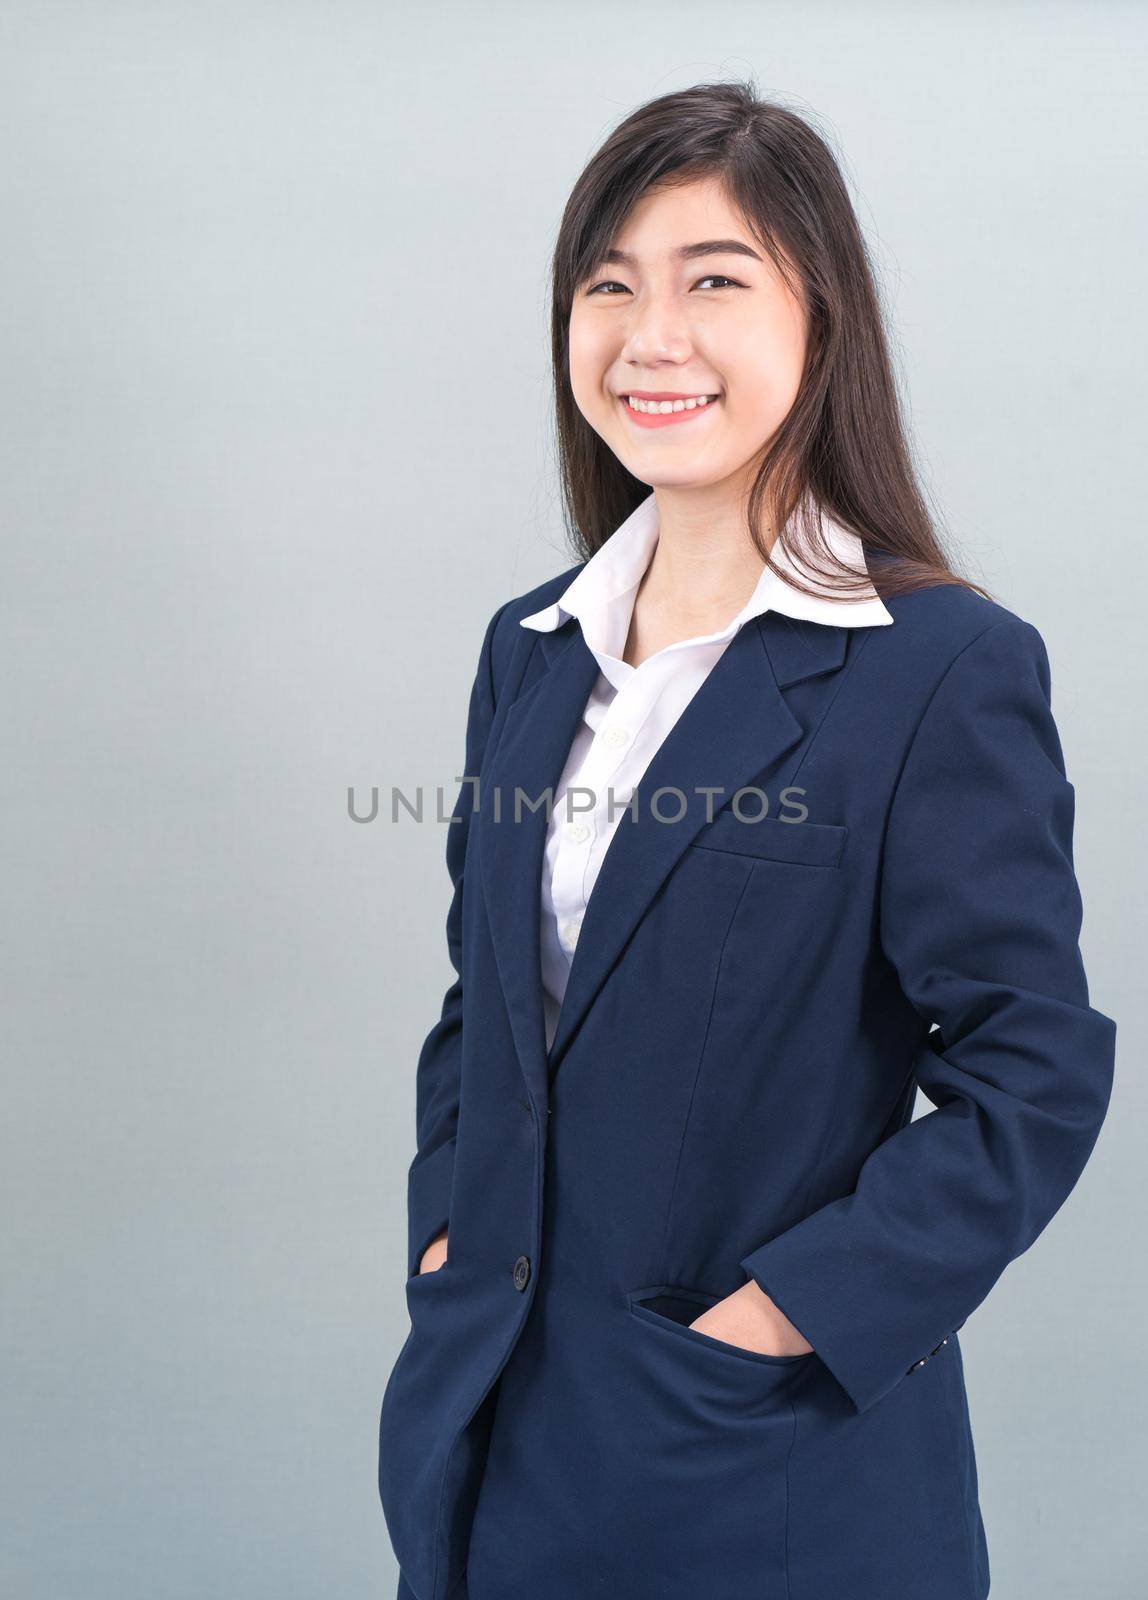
{"x":652,"y":406}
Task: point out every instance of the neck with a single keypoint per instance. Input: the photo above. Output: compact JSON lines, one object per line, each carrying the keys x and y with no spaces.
{"x":704,"y":559}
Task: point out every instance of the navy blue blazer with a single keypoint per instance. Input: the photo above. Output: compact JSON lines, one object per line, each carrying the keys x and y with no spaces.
{"x":751,"y":1009}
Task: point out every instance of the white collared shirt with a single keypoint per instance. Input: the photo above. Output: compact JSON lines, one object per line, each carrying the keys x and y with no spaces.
{"x":632,"y":709}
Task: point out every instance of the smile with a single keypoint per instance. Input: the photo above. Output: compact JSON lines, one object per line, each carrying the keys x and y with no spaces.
{"x":665,"y":413}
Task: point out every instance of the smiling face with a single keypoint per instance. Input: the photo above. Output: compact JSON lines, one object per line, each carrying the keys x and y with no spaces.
{"x":686,"y":305}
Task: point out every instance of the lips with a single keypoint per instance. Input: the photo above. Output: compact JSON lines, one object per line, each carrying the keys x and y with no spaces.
{"x":664,"y":394}
{"x":665,"y":419}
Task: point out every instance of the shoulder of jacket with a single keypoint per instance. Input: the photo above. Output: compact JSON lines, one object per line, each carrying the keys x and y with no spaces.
{"x":503,"y":628}
{"x":932,"y":628}
{"x":949,"y":646}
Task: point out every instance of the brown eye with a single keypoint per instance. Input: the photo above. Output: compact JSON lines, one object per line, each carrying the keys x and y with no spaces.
{"x":713,"y":277}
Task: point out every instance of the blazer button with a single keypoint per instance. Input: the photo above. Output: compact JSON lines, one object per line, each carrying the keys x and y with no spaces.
{"x":522,"y":1272}
{"x":932,"y":1352}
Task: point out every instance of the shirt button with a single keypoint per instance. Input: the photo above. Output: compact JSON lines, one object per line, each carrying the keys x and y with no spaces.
{"x":578,"y":831}
{"x":616,"y":736}
{"x":521,"y":1272}
{"x":570,"y":932}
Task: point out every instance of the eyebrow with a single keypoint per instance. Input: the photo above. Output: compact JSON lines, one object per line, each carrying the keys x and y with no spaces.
{"x":686,"y":252}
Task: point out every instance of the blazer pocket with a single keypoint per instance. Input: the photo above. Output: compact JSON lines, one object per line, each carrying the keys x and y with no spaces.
{"x":419,"y":1282}
{"x":672,"y":1308}
{"x":809,"y":844}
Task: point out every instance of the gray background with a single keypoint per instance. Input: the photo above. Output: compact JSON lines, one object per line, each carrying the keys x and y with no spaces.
{"x":275,"y":446}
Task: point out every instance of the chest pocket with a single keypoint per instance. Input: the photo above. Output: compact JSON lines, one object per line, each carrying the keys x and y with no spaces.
{"x":810,"y":844}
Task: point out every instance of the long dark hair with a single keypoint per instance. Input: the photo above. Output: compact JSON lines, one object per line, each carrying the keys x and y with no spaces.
{"x":843,"y":445}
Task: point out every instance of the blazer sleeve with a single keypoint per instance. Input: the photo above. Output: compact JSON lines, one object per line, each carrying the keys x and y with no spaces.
{"x":980,"y":914}
{"x":437,"y":1073}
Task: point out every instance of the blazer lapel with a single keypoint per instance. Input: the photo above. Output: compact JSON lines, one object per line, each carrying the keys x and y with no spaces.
{"x":537,"y":732}
{"x":734,"y":732}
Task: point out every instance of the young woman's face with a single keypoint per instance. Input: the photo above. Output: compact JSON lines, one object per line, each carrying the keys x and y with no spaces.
{"x":655,"y":321}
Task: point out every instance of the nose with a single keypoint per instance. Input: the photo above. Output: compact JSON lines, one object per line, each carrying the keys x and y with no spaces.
{"x":657,"y":332}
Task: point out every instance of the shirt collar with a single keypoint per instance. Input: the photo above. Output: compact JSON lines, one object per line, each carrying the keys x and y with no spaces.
{"x":617,"y":568}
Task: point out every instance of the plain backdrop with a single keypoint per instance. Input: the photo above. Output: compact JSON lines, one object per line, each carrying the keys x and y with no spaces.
{"x":275,"y":445}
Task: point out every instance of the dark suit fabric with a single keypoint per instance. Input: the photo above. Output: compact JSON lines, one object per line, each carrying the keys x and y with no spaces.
{"x":750,"y":1011}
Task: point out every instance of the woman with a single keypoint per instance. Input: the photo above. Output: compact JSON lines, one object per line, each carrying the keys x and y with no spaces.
{"x":685,"y":1275}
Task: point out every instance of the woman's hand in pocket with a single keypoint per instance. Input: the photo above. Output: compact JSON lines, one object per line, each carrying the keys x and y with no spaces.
{"x":434,"y":1255}
{"x":749,"y":1318}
